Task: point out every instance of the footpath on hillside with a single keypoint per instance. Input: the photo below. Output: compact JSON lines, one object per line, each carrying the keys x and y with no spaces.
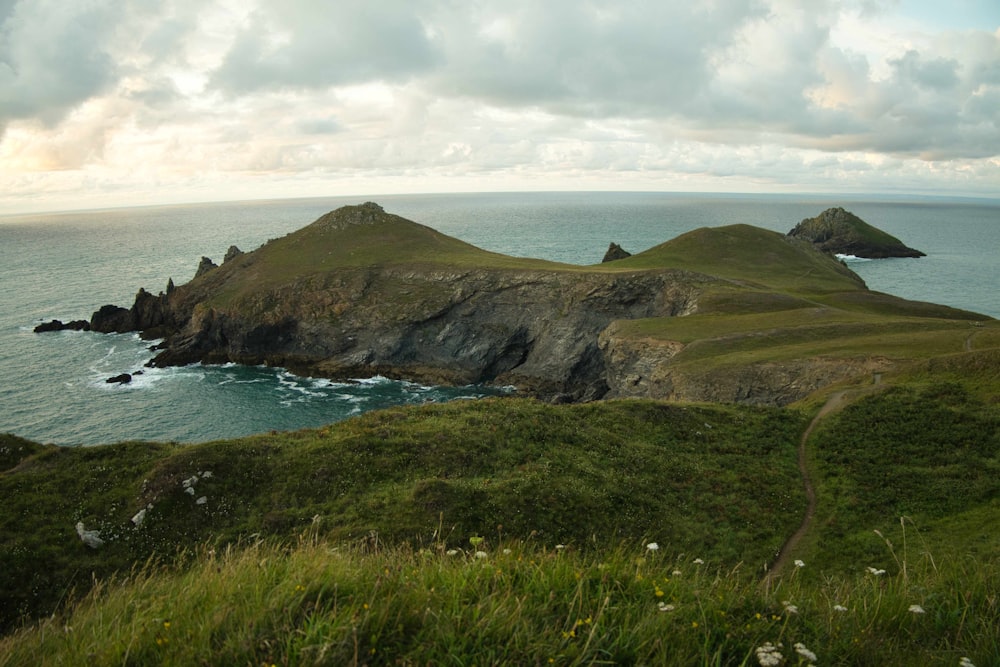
{"x":832,"y":403}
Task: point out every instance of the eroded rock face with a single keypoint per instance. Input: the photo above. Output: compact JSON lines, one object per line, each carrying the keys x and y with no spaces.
{"x":537,"y":330}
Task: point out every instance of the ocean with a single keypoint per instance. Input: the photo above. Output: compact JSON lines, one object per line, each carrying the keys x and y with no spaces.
{"x":66,"y":265}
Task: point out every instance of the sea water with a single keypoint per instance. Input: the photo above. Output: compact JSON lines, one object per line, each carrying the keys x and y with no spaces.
{"x":66,"y":265}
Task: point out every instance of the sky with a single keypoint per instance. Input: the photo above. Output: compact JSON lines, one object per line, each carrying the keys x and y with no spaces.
{"x":131,"y":102}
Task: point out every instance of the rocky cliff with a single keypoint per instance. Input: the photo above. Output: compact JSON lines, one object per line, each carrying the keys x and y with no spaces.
{"x":362,"y":292}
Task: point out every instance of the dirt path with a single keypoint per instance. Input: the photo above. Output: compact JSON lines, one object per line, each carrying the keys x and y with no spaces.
{"x":786,"y":549}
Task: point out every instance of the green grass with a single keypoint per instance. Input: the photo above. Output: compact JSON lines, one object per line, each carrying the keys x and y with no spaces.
{"x":697,"y":477}
{"x":750,"y":255}
{"x":331,"y":546}
{"x":929,"y":453}
{"x":512,"y":602}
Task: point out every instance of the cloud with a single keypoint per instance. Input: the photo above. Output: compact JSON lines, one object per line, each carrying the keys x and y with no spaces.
{"x":774,"y":92}
{"x":52,"y":58}
{"x":302,"y":44}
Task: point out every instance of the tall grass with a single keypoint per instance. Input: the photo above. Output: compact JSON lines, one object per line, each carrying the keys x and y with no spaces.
{"x":514,"y":602}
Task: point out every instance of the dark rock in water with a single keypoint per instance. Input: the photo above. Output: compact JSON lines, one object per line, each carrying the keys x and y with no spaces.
{"x":124,"y":378}
{"x":109,"y":319}
{"x":614,"y":252}
{"x":841,"y":232}
{"x":58,"y":325}
{"x":232,"y":253}
{"x":205,"y":266}
{"x":148,"y":314}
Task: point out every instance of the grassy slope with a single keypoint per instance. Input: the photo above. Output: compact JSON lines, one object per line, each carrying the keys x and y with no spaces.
{"x":918,"y":461}
{"x":587,"y":475}
{"x":709,"y":482}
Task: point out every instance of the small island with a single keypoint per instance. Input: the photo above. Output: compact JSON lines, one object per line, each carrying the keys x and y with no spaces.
{"x":841,"y":232}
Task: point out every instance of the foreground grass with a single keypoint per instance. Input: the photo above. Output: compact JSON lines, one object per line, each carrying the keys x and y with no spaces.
{"x":515,"y":602}
{"x":707,"y":478}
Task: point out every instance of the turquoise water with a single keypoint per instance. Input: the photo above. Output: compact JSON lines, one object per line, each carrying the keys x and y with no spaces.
{"x":66,"y":265}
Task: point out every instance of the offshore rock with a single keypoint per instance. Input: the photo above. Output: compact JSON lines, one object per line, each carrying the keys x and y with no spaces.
{"x":150,"y":314}
{"x":841,"y":232}
{"x":58,"y":325}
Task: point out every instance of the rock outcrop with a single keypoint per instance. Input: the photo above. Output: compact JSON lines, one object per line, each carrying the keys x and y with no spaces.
{"x":614,"y":252}
{"x":59,"y":325}
{"x":204,"y":266}
{"x":841,"y":232}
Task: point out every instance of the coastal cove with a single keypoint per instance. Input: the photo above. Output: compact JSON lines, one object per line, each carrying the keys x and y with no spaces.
{"x":62,"y":266}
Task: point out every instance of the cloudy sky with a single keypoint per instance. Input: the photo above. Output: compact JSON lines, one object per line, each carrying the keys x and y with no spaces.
{"x":123,"y":102}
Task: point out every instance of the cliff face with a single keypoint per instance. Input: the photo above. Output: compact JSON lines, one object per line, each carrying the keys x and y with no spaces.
{"x":534,"y":329}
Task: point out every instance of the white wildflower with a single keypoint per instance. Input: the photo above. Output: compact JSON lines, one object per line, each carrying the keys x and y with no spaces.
{"x":452,"y":552}
{"x":652,"y":546}
{"x":676,"y":573}
{"x":698,"y":561}
{"x":482,"y":554}
{"x":839,"y":607}
{"x":801,"y":649}
{"x":877,"y":573}
{"x":916,"y":609}
{"x":799,"y":563}
{"x":768,"y":655}
{"x":789,"y":607}
{"x":506,"y":552}
{"x":560,"y":547}
{"x":663,"y":606}
{"x":965,"y":662}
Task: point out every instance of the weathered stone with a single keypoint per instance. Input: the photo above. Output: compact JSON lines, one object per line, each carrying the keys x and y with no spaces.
{"x":124,"y":378}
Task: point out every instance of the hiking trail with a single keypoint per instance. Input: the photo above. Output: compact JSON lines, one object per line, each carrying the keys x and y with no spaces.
{"x":784,"y":554}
